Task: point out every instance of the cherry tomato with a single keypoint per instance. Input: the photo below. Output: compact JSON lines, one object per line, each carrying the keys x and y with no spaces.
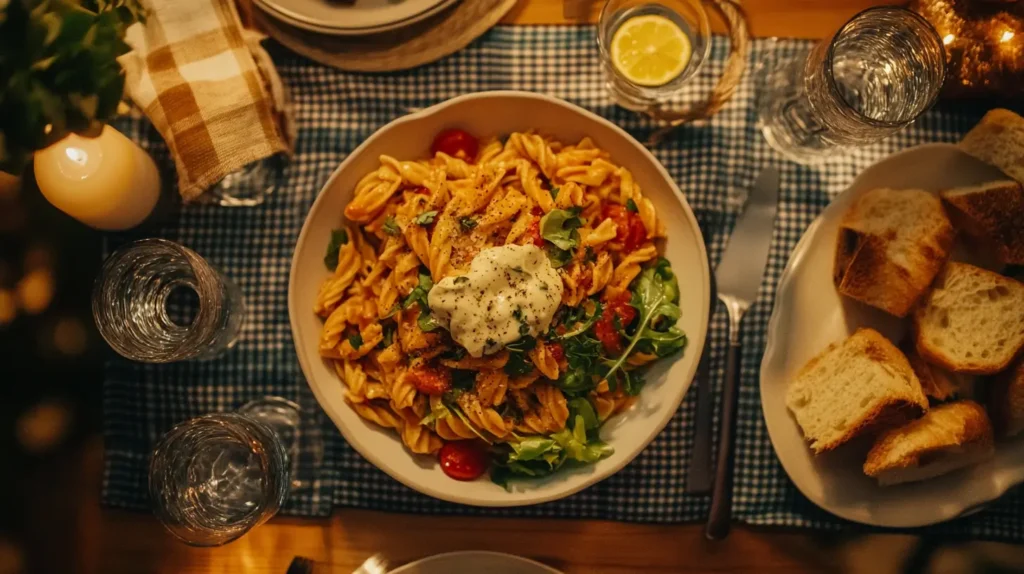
{"x":456,"y":143}
{"x":556,"y":351}
{"x":463,"y":460}
{"x":605,"y":330}
{"x":637,"y":234}
{"x":533,"y":235}
{"x":430,"y":380}
{"x":620,"y":215}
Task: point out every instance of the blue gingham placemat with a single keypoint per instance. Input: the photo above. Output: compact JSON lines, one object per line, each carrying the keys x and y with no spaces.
{"x":714,"y":163}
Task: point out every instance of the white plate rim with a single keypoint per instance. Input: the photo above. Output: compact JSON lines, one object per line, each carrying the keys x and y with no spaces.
{"x":970,"y":502}
{"x":305,"y":23}
{"x":696,"y":342}
{"x":470,"y":554}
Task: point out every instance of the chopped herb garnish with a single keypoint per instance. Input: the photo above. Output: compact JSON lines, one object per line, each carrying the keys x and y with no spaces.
{"x":426,"y":218}
{"x":468,"y":223}
{"x":461,"y":279}
{"x":391,"y":226}
{"x":355,"y":340}
{"x":554,"y":191}
{"x":339,"y":237}
{"x":631,"y":205}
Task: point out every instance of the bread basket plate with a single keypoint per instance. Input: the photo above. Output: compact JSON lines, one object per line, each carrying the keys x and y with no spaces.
{"x":487,"y":114}
{"x":810,"y":314}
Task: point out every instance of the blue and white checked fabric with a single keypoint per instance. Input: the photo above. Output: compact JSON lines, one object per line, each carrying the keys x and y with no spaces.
{"x":714,"y":162}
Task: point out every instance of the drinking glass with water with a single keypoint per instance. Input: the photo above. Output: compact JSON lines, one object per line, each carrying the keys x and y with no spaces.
{"x":157,"y":302}
{"x":215,"y":477}
{"x":873,"y":77}
{"x":650,"y":48}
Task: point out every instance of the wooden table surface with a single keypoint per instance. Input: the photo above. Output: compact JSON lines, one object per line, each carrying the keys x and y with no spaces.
{"x":112,"y":542}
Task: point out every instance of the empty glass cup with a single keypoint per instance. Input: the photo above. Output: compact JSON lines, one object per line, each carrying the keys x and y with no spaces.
{"x":877,"y":74}
{"x":682,"y":26}
{"x":215,"y":477}
{"x":141,"y":281}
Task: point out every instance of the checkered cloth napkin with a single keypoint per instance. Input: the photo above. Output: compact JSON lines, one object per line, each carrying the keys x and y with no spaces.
{"x":208,"y":87}
{"x":714,"y":163}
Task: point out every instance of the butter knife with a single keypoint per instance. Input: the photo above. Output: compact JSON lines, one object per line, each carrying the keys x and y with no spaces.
{"x":738,"y":279}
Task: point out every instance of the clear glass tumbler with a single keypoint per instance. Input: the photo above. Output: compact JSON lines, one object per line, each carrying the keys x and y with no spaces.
{"x":873,"y":77}
{"x":215,"y":477}
{"x":141,"y":282}
{"x":691,"y":19}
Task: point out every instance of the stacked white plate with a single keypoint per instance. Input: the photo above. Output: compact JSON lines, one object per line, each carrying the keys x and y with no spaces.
{"x":352,"y":17}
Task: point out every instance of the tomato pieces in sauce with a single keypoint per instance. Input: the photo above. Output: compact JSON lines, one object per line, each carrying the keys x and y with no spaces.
{"x":456,"y":143}
{"x":630,"y":230}
{"x":605,"y":330}
{"x":464,"y":460}
{"x":430,"y":380}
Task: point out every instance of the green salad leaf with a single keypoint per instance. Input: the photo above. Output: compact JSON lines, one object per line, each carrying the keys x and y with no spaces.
{"x":559,"y":227}
{"x":539,"y":456}
{"x":339,"y":237}
{"x":519,"y":362}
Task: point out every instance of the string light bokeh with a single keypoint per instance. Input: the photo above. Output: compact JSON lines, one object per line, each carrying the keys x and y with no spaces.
{"x":984,"y":42}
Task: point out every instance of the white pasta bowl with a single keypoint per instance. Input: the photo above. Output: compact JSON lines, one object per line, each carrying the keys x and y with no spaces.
{"x":493,"y":114}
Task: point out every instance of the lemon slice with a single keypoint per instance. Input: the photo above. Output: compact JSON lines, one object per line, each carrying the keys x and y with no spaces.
{"x":650,"y":50}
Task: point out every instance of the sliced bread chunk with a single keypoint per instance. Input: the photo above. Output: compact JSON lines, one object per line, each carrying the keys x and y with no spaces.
{"x":937,"y":383}
{"x":993,"y":214}
{"x":1006,"y":400}
{"x":891,"y":244}
{"x":998,"y":140}
{"x":972,"y":321}
{"x":854,"y":387}
{"x":948,"y":437}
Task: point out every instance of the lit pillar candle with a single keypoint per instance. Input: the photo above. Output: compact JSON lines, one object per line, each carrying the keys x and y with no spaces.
{"x":106,"y":182}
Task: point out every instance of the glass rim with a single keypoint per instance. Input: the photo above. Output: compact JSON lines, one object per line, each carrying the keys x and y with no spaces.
{"x":704,"y":25}
{"x":193,"y":345}
{"x":830,"y":56}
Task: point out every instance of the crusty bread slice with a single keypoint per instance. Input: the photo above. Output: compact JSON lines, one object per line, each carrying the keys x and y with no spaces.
{"x":1006,"y":400}
{"x":891,"y":245}
{"x":854,"y":387}
{"x":972,"y":321}
{"x":998,"y":140}
{"x":948,"y":437}
{"x":936,"y":382}
{"x":993,"y":214}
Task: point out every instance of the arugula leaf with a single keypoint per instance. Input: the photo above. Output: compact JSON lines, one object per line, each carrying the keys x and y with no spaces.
{"x":583,"y":355}
{"x":426,"y":321}
{"x":655,"y":296}
{"x":391,"y":226}
{"x":631,"y":205}
{"x":661,"y":343}
{"x":559,"y":227}
{"x":519,"y":362}
{"x":468,"y":223}
{"x":426,"y":218}
{"x":355,"y":340}
{"x":584,"y":325}
{"x":339,"y":237}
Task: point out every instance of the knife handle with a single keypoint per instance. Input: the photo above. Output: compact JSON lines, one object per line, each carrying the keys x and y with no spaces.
{"x":721,"y":493}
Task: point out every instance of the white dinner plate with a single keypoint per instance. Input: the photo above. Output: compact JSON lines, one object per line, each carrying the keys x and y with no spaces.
{"x":809,"y":314}
{"x":488,"y":114}
{"x":475,"y":563}
{"x":352,"y":18}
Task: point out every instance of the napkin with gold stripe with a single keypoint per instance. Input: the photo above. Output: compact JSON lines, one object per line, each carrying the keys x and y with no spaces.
{"x":209,"y":89}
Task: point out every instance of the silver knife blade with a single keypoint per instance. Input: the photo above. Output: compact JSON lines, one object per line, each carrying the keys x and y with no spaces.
{"x":746,"y":255}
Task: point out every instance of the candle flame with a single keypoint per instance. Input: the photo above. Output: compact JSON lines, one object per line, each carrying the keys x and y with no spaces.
{"x":1006,"y":37}
{"x":948,"y":39}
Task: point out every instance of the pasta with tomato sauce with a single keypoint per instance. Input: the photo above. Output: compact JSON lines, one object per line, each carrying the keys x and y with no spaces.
{"x":499,"y":300}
